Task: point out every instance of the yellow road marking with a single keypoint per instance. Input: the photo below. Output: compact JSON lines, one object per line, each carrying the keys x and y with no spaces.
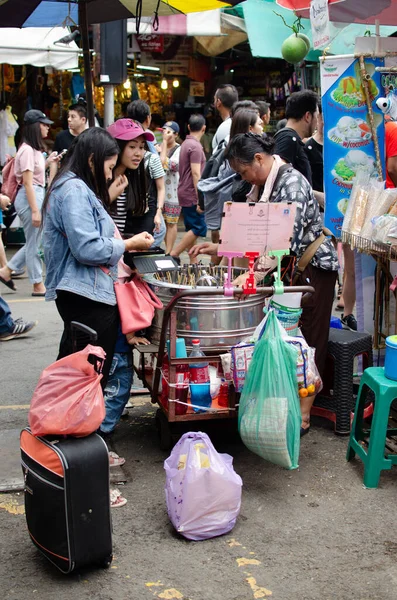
{"x":154,"y":584}
{"x":171,"y":594}
{"x":243,"y":562}
{"x":15,"y":407}
{"x":11,"y":505}
{"x":259,"y":592}
{"x":233,"y":542}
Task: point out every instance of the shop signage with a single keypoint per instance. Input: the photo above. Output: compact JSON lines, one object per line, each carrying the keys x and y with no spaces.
{"x":197,"y":88}
{"x":319,"y":20}
{"x":151,"y":43}
{"x":348,"y":144}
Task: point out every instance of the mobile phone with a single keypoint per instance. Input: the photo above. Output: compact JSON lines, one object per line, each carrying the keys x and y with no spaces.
{"x":62,"y":154}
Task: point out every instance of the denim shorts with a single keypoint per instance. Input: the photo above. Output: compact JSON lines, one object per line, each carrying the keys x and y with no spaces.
{"x":194,"y":221}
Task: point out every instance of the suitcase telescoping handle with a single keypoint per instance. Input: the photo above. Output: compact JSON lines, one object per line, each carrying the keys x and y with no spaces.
{"x":92,"y":336}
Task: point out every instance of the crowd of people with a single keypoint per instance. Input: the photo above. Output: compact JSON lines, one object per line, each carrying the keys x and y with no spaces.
{"x":111,"y":192}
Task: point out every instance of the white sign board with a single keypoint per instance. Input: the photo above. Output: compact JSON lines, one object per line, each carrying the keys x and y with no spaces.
{"x":319,"y":20}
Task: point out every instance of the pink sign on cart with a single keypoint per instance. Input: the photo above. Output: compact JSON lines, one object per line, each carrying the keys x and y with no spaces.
{"x":264,"y":227}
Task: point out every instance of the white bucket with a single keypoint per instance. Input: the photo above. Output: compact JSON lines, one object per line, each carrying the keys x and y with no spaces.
{"x":289,"y":300}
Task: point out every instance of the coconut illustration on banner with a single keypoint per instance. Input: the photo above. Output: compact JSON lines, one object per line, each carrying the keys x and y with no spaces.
{"x":351,"y":133}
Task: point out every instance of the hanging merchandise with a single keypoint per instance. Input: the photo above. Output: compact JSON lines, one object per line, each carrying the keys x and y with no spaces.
{"x":8,"y":129}
{"x":269,"y":416}
{"x":203,"y":491}
{"x":354,"y":131}
{"x":296,"y":46}
{"x":319,"y":21}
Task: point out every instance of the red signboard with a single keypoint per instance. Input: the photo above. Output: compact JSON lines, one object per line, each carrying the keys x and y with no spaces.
{"x":151,"y":43}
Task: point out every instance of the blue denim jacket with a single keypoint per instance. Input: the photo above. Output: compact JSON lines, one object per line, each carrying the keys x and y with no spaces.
{"x":78,"y":238}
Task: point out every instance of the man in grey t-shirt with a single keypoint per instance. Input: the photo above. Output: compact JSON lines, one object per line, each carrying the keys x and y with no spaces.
{"x":225,"y":96}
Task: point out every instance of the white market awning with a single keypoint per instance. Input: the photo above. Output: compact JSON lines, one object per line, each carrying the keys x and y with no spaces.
{"x":35,"y":46}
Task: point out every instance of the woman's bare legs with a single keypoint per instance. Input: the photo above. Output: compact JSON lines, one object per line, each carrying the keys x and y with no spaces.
{"x":170,"y":236}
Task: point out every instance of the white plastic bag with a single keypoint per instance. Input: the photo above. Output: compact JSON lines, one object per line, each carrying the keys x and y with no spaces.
{"x":202,"y":490}
{"x":385,"y":230}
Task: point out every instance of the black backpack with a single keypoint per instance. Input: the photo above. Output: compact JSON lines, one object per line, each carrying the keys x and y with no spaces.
{"x":211,"y":169}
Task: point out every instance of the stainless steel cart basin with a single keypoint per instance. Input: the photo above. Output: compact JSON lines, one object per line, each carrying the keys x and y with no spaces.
{"x":218,"y":321}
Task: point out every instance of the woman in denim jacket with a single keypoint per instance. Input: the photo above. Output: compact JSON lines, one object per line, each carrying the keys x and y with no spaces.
{"x":79,"y":239}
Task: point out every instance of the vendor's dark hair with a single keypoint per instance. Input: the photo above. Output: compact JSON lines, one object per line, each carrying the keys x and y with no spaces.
{"x":242,"y":121}
{"x":243,"y":147}
{"x":31,"y":135}
{"x":138,"y":110}
{"x":137,"y":185}
{"x":241,"y":104}
{"x":299,"y":103}
{"x":98,"y":144}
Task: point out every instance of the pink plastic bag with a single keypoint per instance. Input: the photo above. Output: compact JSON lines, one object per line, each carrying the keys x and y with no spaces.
{"x":203,"y":492}
{"x":68,"y":399}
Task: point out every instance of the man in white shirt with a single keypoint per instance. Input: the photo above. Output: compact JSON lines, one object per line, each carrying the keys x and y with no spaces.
{"x":225,"y":96}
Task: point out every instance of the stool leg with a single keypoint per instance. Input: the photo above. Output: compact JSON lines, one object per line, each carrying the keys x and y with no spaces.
{"x":376,"y":446}
{"x":356,"y":433}
{"x":343,"y":391}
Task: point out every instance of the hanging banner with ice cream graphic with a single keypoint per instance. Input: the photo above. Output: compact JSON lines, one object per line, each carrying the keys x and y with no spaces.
{"x":348,"y":143}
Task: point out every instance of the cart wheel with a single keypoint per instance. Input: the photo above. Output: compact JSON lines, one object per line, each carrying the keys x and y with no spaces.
{"x":106,"y":562}
{"x":164,"y":431}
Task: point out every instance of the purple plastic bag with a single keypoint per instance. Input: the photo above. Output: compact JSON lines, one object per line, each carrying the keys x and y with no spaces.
{"x":202,"y":490}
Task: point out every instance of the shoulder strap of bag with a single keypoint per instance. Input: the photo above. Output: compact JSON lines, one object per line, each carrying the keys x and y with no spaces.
{"x":311,"y":251}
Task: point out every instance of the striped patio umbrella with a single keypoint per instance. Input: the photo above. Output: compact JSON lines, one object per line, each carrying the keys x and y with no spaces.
{"x":52,"y":13}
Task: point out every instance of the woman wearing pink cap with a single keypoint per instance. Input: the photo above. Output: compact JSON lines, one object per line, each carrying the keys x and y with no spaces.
{"x":139,"y":207}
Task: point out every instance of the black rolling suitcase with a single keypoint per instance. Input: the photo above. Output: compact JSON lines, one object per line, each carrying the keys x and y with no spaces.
{"x":67,"y":499}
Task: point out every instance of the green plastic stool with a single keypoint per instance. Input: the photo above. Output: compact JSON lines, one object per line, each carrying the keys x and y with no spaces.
{"x":374,"y":458}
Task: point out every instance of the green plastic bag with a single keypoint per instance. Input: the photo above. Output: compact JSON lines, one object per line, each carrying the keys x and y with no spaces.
{"x":269,"y":417}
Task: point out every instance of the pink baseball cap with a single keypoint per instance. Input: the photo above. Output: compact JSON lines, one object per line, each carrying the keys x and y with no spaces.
{"x":127,"y":129}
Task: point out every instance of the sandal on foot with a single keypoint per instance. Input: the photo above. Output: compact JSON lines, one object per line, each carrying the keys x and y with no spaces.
{"x":9,"y":283}
{"x":115,"y":460}
{"x":116,"y":499}
{"x":304,"y":431}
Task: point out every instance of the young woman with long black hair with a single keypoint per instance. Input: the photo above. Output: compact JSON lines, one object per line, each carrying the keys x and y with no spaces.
{"x":139,"y":207}
{"x":79,"y":239}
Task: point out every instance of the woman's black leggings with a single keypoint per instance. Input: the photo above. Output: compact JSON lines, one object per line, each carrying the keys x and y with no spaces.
{"x":103,"y":318}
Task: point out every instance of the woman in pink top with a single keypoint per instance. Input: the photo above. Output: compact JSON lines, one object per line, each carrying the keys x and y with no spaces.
{"x":30,"y":166}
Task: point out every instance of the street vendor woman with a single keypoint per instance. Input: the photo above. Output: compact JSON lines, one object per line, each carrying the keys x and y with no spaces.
{"x":274,"y":181}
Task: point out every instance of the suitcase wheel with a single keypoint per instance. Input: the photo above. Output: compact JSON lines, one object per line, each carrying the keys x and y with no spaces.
{"x":105,"y":564}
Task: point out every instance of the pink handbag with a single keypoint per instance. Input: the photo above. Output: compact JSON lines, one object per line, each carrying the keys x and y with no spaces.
{"x":136,"y":302}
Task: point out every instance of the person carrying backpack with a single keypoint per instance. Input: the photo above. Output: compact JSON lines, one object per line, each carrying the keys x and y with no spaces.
{"x":29,"y":168}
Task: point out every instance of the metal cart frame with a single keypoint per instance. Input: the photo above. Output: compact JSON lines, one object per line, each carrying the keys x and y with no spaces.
{"x":165,"y":417}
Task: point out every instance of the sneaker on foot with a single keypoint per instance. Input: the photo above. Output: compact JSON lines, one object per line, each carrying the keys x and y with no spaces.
{"x":21,"y":327}
{"x":349,"y":321}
